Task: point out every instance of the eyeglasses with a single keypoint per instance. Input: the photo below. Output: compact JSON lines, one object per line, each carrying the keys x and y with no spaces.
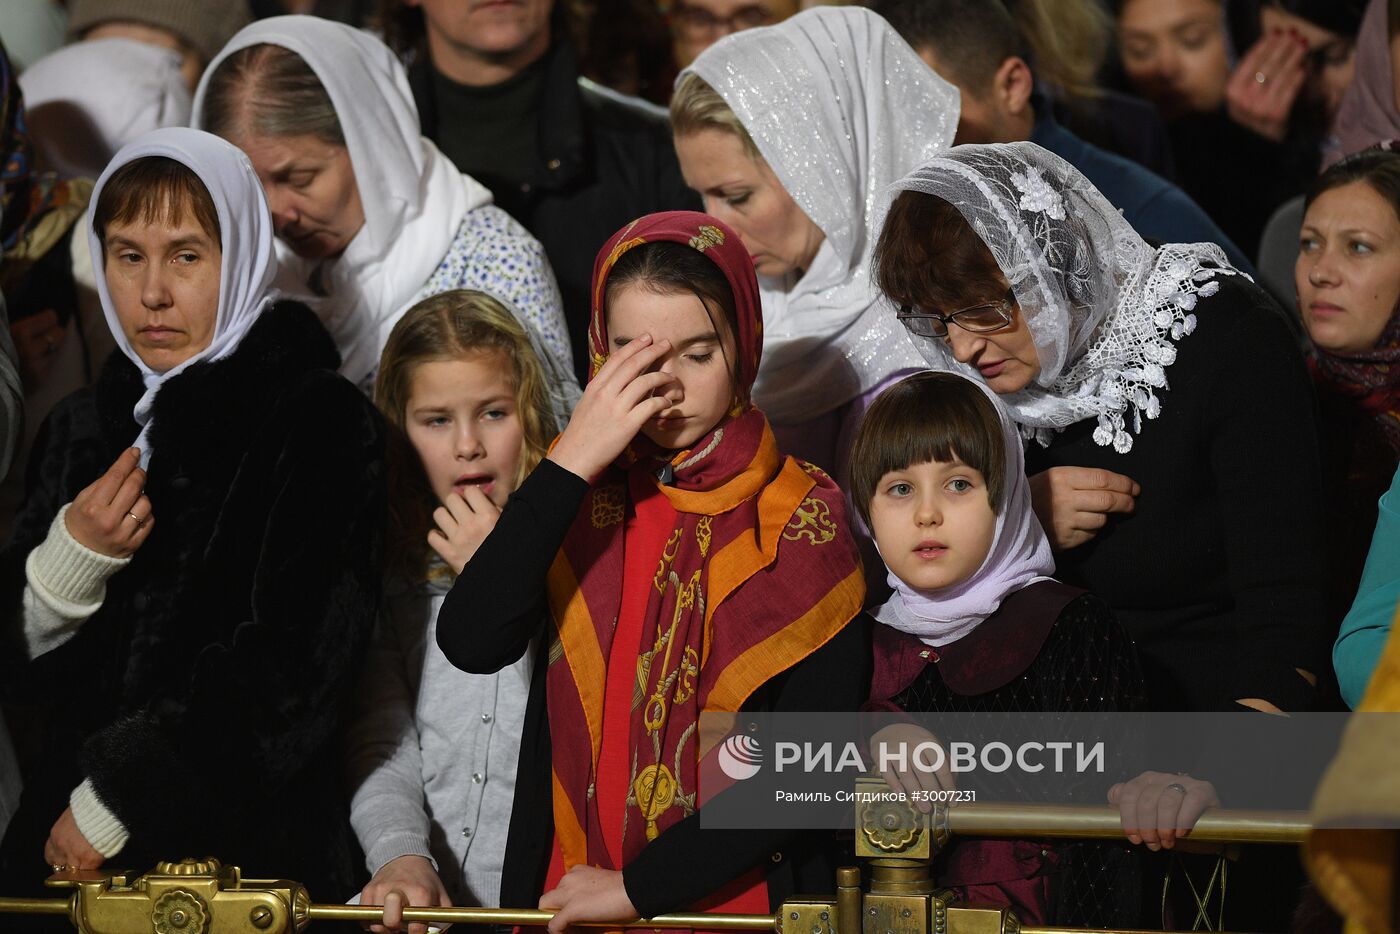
{"x":695,"y":22}
{"x":979,"y":319}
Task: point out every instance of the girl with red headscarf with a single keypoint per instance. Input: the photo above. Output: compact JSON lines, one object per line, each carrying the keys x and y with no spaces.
{"x":665,"y":561}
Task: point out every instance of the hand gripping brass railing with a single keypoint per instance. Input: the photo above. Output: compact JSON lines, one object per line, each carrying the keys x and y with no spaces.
{"x":195,"y":897}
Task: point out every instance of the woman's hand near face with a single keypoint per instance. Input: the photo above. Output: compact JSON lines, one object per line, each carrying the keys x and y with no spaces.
{"x":112,"y":516}
{"x":615,"y":405}
{"x":1157,"y":807}
{"x":406,"y":882}
{"x":463,"y":522}
{"x":1263,"y":107}
{"x":1073,"y":503}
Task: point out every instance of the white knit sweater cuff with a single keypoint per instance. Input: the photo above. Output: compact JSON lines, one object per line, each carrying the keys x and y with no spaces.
{"x":391,"y":846}
{"x":104,"y":832}
{"x":68,"y":576}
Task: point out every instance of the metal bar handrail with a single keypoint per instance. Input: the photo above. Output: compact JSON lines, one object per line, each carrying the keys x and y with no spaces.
{"x":540,"y":917}
{"x":1218,"y":825}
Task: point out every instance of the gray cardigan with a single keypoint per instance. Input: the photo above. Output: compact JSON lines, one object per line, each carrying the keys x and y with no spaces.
{"x":433,"y":751}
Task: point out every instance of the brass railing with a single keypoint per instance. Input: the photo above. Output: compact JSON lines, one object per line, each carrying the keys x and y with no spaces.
{"x":898,"y":842}
{"x":1086,"y":822}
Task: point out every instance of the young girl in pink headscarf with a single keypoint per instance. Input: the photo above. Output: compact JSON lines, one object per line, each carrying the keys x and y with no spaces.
{"x":977,"y":625}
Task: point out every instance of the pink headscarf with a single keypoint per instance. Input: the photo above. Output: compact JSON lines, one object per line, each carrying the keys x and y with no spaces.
{"x":1020,"y":555}
{"x":1368,"y":114}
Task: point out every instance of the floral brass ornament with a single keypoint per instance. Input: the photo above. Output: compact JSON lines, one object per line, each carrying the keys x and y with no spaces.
{"x":607,"y":506}
{"x":179,"y":912}
{"x":811,"y":521}
{"x":708,"y":236}
{"x":813,"y":470}
{"x":1037,"y":195}
{"x":890,"y":826}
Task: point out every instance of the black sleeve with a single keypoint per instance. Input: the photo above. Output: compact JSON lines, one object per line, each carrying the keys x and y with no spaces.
{"x":498,"y":603}
{"x":66,"y":457}
{"x":1264,"y":461}
{"x":686,"y":863}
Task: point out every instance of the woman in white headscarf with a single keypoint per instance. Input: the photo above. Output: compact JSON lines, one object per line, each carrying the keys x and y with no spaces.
{"x":1171,"y":428}
{"x":791,"y":134}
{"x":370,"y":215}
{"x":202,"y":528}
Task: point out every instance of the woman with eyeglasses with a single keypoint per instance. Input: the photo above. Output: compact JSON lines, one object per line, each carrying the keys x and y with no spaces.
{"x":1170,"y":427}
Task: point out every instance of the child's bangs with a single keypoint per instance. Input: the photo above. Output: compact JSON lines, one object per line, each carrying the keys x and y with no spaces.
{"x":928,"y":417}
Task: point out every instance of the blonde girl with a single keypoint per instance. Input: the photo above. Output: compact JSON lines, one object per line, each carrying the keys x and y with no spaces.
{"x":464,"y":392}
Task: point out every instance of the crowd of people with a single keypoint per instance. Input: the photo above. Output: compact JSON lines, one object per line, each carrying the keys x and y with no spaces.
{"x":417,"y":415}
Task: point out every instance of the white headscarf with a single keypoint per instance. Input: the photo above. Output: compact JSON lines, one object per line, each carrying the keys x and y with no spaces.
{"x":1103,"y":307}
{"x":414,"y":198}
{"x":87,"y":100}
{"x":840,"y":107}
{"x":1020,"y":555}
{"x":249,"y":263}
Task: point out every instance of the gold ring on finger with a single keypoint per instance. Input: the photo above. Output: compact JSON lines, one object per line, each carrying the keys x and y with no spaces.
{"x":139,"y":521}
{"x":1176,"y":786}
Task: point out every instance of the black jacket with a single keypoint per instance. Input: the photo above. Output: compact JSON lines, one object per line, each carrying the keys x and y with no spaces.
{"x":604,"y":160}
{"x":204,"y":697}
{"x":1213,"y":573}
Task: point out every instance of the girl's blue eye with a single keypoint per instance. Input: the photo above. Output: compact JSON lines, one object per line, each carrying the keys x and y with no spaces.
{"x":900,"y":489}
{"x":437,"y":421}
{"x":494,"y":415}
{"x":959,"y":485}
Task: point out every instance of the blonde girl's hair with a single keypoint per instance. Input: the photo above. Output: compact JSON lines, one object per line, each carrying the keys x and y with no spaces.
{"x":696,"y":106}
{"x":1068,"y":39}
{"x":450,"y":326}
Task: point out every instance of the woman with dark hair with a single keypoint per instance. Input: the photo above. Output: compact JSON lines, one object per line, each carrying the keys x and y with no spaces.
{"x":1348,"y":281}
{"x":1124,"y":366}
{"x":1249,"y":91}
{"x":198,"y":556}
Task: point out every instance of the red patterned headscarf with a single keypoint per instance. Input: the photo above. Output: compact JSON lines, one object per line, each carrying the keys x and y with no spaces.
{"x":759,"y":571}
{"x":1371,"y":377}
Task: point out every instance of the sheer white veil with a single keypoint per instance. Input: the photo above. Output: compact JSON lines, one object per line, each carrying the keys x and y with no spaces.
{"x":839,"y":106}
{"x":1104,"y":308}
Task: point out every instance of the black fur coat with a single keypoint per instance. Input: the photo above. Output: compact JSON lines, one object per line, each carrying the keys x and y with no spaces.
{"x":204,"y":697}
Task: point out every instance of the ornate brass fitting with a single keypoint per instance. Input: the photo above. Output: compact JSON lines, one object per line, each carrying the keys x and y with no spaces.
{"x":188,"y":897}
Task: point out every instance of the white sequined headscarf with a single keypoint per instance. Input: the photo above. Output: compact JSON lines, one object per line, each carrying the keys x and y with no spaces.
{"x":840,"y":107}
{"x":1104,"y":308}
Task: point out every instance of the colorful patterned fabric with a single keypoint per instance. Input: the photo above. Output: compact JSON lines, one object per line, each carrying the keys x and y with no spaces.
{"x":758,"y":572}
{"x":1371,"y":377}
{"x":37,"y":208}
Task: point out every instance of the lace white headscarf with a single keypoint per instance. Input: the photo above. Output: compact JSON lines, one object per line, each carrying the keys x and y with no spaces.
{"x":840,"y":107}
{"x":1104,"y":308}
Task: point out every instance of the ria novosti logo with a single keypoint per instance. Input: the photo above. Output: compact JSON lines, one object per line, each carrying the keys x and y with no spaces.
{"x":740,"y":757}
